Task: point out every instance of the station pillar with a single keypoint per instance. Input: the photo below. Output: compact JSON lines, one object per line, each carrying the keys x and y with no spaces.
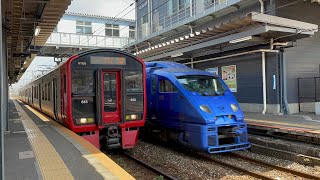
{"x":3,"y":91}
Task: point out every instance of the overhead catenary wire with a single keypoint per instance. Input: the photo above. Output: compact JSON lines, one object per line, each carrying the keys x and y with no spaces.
{"x":160,"y":41}
{"x":64,"y":53}
{"x":141,"y":16}
{"x":114,"y":17}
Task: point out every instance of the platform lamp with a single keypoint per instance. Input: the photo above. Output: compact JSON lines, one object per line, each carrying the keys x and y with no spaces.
{"x":37,"y":31}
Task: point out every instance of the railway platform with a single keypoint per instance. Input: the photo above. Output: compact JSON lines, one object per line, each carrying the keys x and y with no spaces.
{"x":305,"y":127}
{"x":36,"y":147}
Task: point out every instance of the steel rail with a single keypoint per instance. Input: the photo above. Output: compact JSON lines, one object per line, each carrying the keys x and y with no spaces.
{"x":154,"y":169}
{"x":305,"y":139}
{"x":266,"y":164}
{"x":236,"y":168}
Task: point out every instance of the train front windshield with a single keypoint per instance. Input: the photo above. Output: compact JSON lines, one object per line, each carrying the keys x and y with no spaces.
{"x":203,"y":85}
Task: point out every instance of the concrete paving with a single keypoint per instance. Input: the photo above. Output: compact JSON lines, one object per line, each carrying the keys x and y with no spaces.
{"x":18,"y":166}
{"x":305,"y":121}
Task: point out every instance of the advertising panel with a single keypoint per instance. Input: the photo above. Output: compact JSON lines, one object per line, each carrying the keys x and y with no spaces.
{"x":229,"y":75}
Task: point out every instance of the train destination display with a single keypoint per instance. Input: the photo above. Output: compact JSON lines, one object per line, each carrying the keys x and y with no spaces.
{"x":108,"y":60}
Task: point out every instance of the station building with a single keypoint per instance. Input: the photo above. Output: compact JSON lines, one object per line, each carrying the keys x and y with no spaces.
{"x":87,"y":30}
{"x":267,"y":51}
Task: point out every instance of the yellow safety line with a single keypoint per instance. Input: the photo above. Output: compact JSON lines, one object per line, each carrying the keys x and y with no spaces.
{"x":101,"y":157}
{"x":282,"y":123}
{"x":50,"y":163}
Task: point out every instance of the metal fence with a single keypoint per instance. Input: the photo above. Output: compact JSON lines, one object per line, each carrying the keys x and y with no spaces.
{"x":179,"y":15}
{"x":87,"y":40}
{"x":308,"y":93}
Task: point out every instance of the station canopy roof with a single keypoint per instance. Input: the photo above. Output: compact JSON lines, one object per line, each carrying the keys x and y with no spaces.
{"x":29,"y":23}
{"x":214,"y":37}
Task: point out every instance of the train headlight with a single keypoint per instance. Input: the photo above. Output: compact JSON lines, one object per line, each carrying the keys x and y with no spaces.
{"x":206,"y":109}
{"x":133,"y":116}
{"x":234,"y":107}
{"x":83,"y":120}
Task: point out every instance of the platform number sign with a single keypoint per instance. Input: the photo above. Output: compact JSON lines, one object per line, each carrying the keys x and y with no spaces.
{"x":229,"y":75}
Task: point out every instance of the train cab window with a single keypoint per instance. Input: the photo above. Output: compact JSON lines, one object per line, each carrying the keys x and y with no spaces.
{"x":82,"y":81}
{"x":167,"y":86}
{"x":204,"y":85}
{"x":134,"y":81}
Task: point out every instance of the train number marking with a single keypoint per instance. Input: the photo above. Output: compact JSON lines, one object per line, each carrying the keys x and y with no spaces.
{"x":84,"y":102}
{"x":133,"y":99}
{"x":82,"y":63}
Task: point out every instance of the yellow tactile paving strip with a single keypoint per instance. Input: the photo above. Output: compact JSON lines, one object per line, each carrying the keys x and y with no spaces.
{"x":102,"y":163}
{"x":50,"y":163}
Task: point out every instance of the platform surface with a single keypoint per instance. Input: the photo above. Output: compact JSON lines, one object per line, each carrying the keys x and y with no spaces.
{"x":303,"y":123}
{"x":36,"y":147}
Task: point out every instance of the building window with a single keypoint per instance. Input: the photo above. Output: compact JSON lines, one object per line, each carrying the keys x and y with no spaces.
{"x":167,"y":86}
{"x":83,"y":27}
{"x":112,"y":30}
{"x":177,"y":5}
{"x":132,"y":32}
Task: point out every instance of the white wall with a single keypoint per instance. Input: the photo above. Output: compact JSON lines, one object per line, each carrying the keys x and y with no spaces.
{"x":98,"y":29}
{"x":124,"y":31}
{"x":67,"y":26}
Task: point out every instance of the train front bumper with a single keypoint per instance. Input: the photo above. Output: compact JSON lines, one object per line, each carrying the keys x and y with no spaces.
{"x":216,"y":139}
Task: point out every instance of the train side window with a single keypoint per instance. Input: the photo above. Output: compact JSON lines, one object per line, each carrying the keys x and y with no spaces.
{"x":167,"y":86}
{"x":49,"y":90}
{"x":45,"y":91}
{"x":153,"y":85}
{"x":42,"y":92}
{"x":65,"y":83}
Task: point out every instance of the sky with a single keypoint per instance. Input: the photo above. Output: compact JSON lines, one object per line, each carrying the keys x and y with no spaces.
{"x":109,"y":8}
{"x":103,"y":7}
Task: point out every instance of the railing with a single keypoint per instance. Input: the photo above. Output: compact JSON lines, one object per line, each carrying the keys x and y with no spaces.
{"x":308,"y":93}
{"x":179,"y":15}
{"x":87,"y":40}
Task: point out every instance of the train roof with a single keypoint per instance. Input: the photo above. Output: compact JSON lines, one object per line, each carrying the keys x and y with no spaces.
{"x":174,"y":68}
{"x":164,"y":64}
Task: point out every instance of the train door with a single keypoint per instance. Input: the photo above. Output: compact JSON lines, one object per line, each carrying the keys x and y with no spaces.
{"x":153,"y":104}
{"x":55,"y":97}
{"x":108,"y":97}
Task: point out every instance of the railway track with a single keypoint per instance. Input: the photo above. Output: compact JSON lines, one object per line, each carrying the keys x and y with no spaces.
{"x":259,"y":163}
{"x":285,"y":136}
{"x":286,"y":172}
{"x":148,"y":166}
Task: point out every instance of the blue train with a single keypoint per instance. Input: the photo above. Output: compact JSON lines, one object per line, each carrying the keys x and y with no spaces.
{"x":193,"y":107}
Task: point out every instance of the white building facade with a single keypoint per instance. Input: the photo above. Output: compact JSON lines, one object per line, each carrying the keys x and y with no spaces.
{"x":89,"y":31}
